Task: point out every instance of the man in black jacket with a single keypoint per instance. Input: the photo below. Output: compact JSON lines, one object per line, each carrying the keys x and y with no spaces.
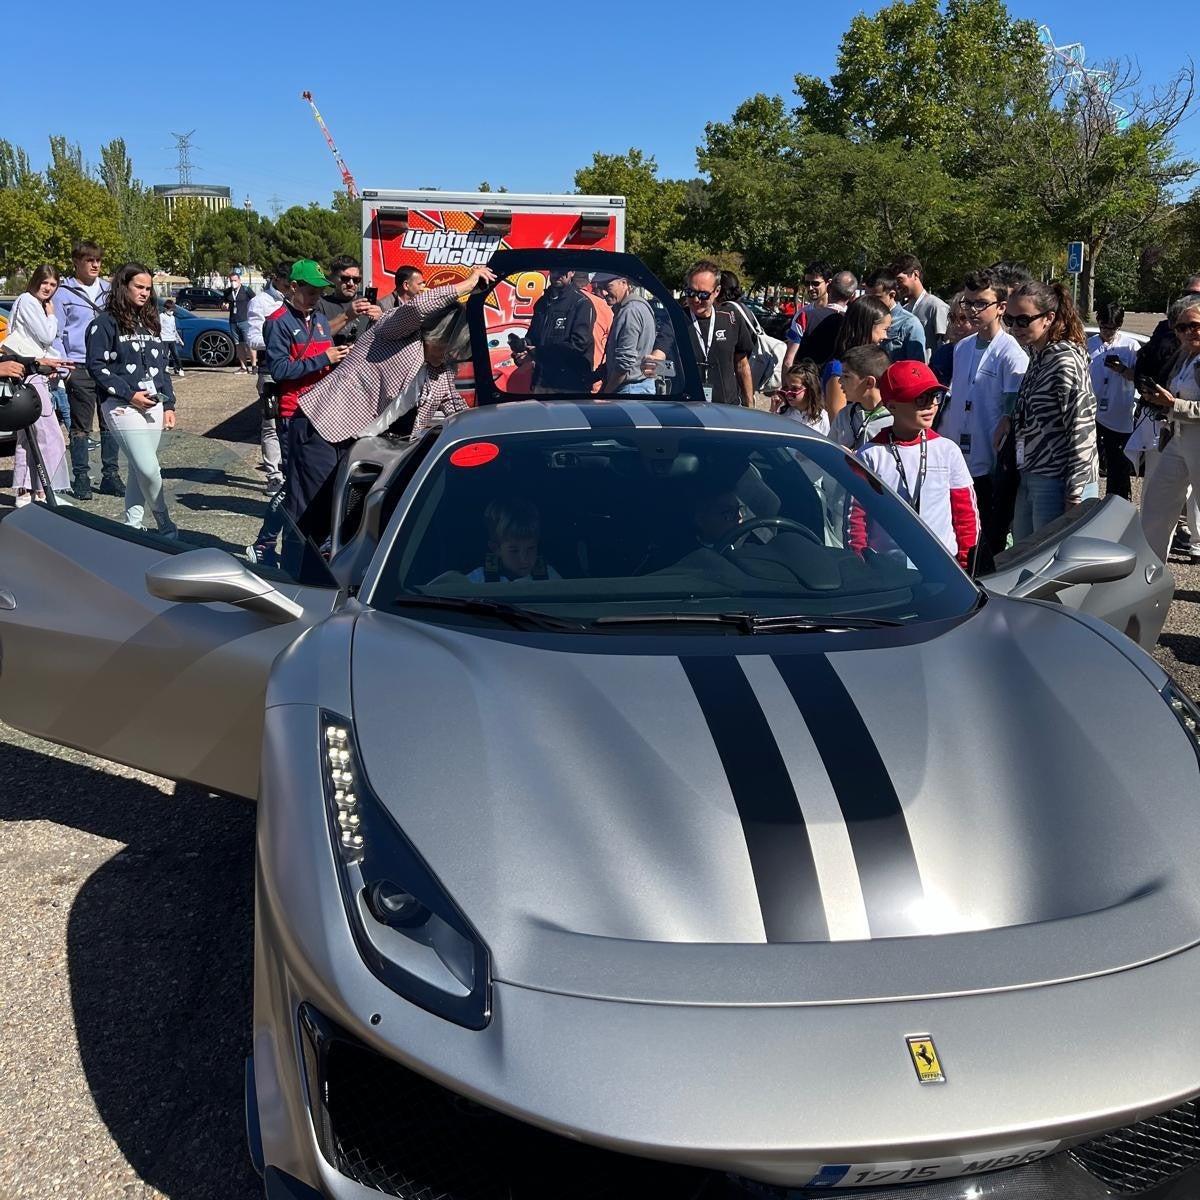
{"x":562,"y":337}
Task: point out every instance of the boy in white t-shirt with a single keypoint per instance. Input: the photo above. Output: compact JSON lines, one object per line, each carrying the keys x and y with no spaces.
{"x":1113,"y":356}
{"x":987,"y":373}
{"x":922,"y":468}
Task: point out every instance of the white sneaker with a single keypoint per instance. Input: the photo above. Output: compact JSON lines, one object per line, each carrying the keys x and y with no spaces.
{"x":23,"y":498}
{"x":180,"y":375}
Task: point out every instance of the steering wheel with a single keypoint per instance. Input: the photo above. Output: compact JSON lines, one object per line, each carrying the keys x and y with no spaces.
{"x":782,"y":523}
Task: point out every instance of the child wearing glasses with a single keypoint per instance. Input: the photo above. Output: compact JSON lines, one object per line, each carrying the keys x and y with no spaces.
{"x":800,"y":396}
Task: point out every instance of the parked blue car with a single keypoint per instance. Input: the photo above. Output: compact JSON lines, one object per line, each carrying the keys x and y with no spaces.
{"x":206,"y":340}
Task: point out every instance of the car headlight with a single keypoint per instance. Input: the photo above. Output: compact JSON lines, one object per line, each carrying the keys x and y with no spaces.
{"x":409,"y":932}
{"x":1186,"y":713}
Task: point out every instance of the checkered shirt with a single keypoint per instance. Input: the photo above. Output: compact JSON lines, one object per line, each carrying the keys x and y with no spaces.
{"x":381,"y":365}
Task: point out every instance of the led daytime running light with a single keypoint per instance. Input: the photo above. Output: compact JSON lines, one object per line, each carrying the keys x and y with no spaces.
{"x":339,"y":770}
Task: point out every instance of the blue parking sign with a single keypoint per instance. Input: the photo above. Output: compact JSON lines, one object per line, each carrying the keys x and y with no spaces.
{"x":1074,"y":258}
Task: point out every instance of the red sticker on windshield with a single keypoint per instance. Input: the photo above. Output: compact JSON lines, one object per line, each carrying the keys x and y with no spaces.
{"x":474,"y":455}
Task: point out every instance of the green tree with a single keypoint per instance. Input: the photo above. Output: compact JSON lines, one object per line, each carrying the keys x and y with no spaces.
{"x":232,"y":238}
{"x":24,"y":213}
{"x":654,"y":207}
{"x":142,"y":215}
{"x":754,"y":163}
{"x":1101,"y":165}
{"x":181,"y":244}
{"x":14,"y":165}
{"x":312,"y":232}
{"x":80,"y":206}
{"x":940,"y":79}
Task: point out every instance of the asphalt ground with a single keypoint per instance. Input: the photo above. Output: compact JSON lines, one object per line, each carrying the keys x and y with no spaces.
{"x":126,"y":909}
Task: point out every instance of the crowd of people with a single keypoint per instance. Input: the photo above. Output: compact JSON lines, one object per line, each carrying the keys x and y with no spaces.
{"x":998,"y":384}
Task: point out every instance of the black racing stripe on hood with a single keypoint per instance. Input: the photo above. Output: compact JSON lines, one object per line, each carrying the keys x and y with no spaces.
{"x":672,"y":414}
{"x":789,"y":893}
{"x":879,"y":836}
{"x":606,"y":416}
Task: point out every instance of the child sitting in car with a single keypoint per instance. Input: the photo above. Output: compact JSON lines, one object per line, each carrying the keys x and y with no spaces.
{"x":514,"y":529}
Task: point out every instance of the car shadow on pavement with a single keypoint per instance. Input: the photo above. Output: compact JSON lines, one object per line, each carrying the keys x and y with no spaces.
{"x":1184,"y":646}
{"x":159,"y":953}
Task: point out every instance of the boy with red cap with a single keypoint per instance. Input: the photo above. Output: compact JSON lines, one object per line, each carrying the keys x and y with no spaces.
{"x":926,"y":470}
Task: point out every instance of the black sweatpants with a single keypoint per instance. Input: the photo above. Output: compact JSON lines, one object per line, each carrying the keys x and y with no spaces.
{"x":85,"y":411}
{"x":1120,"y":469}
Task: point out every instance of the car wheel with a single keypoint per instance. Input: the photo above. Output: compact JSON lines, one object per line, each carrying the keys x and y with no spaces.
{"x":213,"y":349}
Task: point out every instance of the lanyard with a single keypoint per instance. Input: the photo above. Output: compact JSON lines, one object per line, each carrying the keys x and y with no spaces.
{"x":712,"y":328}
{"x":914,"y":500}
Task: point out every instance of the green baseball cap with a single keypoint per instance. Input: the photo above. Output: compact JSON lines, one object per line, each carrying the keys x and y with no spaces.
{"x":305,"y":270}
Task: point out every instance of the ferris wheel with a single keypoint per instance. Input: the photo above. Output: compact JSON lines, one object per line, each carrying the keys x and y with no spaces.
{"x":1069,"y":70}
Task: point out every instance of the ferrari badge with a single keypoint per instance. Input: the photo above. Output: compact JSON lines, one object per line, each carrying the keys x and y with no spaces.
{"x":925,"y":1058}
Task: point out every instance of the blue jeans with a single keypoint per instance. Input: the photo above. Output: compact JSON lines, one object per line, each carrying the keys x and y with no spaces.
{"x":641,"y":387}
{"x":1040,"y":500}
{"x":61,"y":404}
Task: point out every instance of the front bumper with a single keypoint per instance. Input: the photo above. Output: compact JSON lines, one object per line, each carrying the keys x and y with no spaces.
{"x":718,"y":1090}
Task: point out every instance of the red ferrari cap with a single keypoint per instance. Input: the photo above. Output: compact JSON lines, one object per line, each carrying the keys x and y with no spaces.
{"x":903,"y":382}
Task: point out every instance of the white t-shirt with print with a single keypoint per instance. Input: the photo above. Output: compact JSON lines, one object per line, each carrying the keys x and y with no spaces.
{"x":1115,"y":397}
{"x":821,"y":424}
{"x":983,"y":376}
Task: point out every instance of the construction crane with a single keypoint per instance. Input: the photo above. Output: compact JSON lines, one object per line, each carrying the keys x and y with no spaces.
{"x":347,"y":178}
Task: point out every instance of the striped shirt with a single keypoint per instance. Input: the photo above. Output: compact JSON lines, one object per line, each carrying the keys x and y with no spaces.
{"x":1055,"y":418}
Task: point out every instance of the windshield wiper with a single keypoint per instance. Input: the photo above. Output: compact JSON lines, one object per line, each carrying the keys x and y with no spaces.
{"x":743,"y":621}
{"x":746,"y":622}
{"x":789,"y":622}
{"x":522,"y":618}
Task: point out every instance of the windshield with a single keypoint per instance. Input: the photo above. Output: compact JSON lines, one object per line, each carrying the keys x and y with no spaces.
{"x":595,"y":525}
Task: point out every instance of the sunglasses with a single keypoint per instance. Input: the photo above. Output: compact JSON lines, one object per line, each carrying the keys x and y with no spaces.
{"x":1187,"y":326}
{"x":697,"y":294}
{"x":350,"y":279}
{"x":977,"y":306}
{"x":792,"y":391}
{"x":1023,"y":321}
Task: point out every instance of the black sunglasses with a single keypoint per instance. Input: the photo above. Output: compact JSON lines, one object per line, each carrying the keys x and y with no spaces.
{"x":1187,"y":326}
{"x":697,"y":294}
{"x":1022,"y":321}
{"x":350,"y":278}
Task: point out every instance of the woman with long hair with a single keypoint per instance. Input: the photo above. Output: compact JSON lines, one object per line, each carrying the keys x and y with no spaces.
{"x":1178,"y":465}
{"x":32,"y":331}
{"x":128,"y":360}
{"x":867,"y":322}
{"x":1054,"y":425}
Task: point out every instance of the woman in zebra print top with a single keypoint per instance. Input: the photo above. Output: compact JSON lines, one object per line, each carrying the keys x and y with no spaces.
{"x":1055,"y":419}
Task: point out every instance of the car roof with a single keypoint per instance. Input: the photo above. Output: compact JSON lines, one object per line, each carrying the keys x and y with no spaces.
{"x":614,"y":416}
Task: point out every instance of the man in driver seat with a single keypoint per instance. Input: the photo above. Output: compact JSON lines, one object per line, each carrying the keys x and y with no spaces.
{"x":717,"y":516}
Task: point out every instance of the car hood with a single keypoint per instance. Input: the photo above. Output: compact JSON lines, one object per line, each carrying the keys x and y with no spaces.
{"x":789,"y":818}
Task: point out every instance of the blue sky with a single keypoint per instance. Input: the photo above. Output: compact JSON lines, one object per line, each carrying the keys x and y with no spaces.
{"x":446,"y":94}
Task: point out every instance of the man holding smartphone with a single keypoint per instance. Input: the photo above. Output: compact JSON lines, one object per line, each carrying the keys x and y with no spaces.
{"x":1114,"y":358}
{"x":348,"y":312}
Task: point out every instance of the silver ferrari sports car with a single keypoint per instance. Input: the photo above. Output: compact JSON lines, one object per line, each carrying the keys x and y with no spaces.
{"x":626,"y":832}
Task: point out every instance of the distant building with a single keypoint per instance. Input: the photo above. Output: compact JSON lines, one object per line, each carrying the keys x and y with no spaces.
{"x":214,"y":198}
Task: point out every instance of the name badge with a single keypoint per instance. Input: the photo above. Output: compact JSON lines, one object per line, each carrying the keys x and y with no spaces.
{"x":964,"y":443}
{"x":1103,"y":405}
{"x":1020,"y":454}
{"x":708,"y":394}
{"x":147,"y":386}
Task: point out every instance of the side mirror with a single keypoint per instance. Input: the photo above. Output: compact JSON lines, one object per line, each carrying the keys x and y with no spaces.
{"x":1078,"y":559}
{"x":211,"y":576}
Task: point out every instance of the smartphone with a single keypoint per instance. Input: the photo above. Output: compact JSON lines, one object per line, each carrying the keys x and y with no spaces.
{"x":1113,"y":360}
{"x":372,"y":294}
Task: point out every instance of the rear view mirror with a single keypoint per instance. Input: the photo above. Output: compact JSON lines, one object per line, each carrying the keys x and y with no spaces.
{"x":1078,"y":560}
{"x":211,"y":576}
